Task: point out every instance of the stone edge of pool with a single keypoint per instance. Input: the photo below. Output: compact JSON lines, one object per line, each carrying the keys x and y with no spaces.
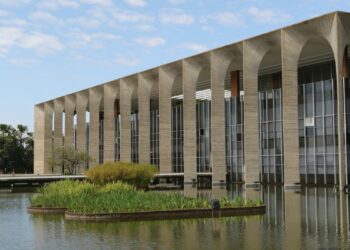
{"x":152,"y":215}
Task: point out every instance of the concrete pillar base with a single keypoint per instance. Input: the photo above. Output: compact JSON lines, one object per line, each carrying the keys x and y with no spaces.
{"x":190,"y":180}
{"x":254,"y":185}
{"x":219,"y":183}
{"x":292,"y":187}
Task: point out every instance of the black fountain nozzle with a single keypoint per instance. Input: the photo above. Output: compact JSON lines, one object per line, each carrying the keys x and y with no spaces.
{"x":215,"y":204}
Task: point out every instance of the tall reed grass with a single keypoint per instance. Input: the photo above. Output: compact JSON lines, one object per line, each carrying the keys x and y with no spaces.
{"x":85,"y":197}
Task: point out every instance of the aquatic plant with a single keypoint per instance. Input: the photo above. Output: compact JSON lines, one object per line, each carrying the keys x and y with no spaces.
{"x":86,"y":197}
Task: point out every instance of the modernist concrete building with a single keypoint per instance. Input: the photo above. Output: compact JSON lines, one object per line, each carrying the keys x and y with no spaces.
{"x":274,"y":108}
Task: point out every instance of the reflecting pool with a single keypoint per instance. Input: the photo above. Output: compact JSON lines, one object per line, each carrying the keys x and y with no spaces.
{"x":315,"y":218}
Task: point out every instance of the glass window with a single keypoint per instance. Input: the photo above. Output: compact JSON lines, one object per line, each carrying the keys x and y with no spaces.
{"x":309,"y":100}
{"x":328,"y":103}
{"x":318,"y":99}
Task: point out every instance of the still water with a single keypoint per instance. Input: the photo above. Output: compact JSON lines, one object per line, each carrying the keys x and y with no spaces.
{"x":315,"y":218}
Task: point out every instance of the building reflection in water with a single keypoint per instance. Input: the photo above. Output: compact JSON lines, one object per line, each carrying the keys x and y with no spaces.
{"x":314,"y":218}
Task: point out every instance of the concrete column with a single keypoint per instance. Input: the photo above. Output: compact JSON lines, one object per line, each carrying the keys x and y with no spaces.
{"x":69,"y":108}
{"x":144,"y":91}
{"x":43,"y":138}
{"x":338,"y":41}
{"x":81,"y":105}
{"x":110,"y":92}
{"x":125,"y":126}
{"x":291,"y":49}
{"x":58,"y":137}
{"x":95,"y":96}
{"x":191,"y":72}
{"x":218,"y":69}
{"x":251,"y":61}
{"x":166,"y":81}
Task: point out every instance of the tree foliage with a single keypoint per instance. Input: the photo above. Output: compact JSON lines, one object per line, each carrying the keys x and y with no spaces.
{"x":67,"y":160}
{"x":16,"y":149}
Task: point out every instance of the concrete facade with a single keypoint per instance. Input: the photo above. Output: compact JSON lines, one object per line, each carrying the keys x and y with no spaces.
{"x":282,"y":51}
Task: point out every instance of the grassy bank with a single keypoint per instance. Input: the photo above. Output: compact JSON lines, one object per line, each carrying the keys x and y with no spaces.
{"x":85,"y":197}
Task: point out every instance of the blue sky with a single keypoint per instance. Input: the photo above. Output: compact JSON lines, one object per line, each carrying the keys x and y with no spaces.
{"x":49,"y":48}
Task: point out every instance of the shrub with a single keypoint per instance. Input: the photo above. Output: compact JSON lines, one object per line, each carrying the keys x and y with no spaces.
{"x":136,"y":174}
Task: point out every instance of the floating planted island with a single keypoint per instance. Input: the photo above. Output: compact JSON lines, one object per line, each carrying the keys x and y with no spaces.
{"x":103,"y":198}
{"x":82,"y":200}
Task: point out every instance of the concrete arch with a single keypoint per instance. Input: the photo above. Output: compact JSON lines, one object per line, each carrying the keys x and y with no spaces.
{"x":58,"y":126}
{"x":293,"y":40}
{"x":110,"y":93}
{"x":128,"y":89}
{"x":222,"y":62}
{"x":95,"y":100}
{"x":192,"y":68}
{"x":254,"y":51}
{"x":147,"y":81}
{"x":69,"y":109}
{"x":43,"y":141}
{"x":269,"y":90}
{"x":82,"y":99}
{"x":170,"y":77}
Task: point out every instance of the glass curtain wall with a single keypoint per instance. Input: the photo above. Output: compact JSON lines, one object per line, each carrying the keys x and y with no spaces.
{"x":117,"y":138}
{"x":134,"y":137}
{"x":116,"y":131}
{"x":154,"y":137}
{"x":177,"y":137}
{"x":203,"y":115}
{"x":270,"y":128}
{"x":87,"y":129}
{"x":75,"y":131}
{"x":346,"y":93}
{"x":318,"y":124}
{"x":234,"y":125}
{"x":101,"y":139}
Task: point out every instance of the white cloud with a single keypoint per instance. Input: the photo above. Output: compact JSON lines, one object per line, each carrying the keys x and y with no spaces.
{"x":13,"y":22}
{"x":195,"y":47}
{"x":224,"y":18}
{"x":41,"y":42}
{"x":146,"y":27}
{"x":55,"y":4}
{"x":43,"y":16}
{"x":90,"y":23}
{"x":151,"y":41}
{"x":8,"y":37}
{"x":22,"y":61}
{"x":3,"y":13}
{"x":176,"y":17}
{"x":176,"y":1}
{"x":129,"y":16}
{"x":136,"y":3}
{"x":14,"y":2}
{"x":94,"y":40}
{"x":229,"y":18}
{"x":127,"y":60}
{"x":98,"y":2}
{"x":15,"y":37}
{"x":71,"y":4}
{"x":268,"y":15}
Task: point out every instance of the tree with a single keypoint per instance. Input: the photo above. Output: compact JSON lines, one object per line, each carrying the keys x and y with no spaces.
{"x":68,"y":160}
{"x":16,"y":149}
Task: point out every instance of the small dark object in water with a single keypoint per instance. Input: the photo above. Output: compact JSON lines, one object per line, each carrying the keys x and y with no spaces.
{"x":215,"y":204}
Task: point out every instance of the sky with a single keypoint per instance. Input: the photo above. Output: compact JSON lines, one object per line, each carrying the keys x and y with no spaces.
{"x":50,"y":48}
